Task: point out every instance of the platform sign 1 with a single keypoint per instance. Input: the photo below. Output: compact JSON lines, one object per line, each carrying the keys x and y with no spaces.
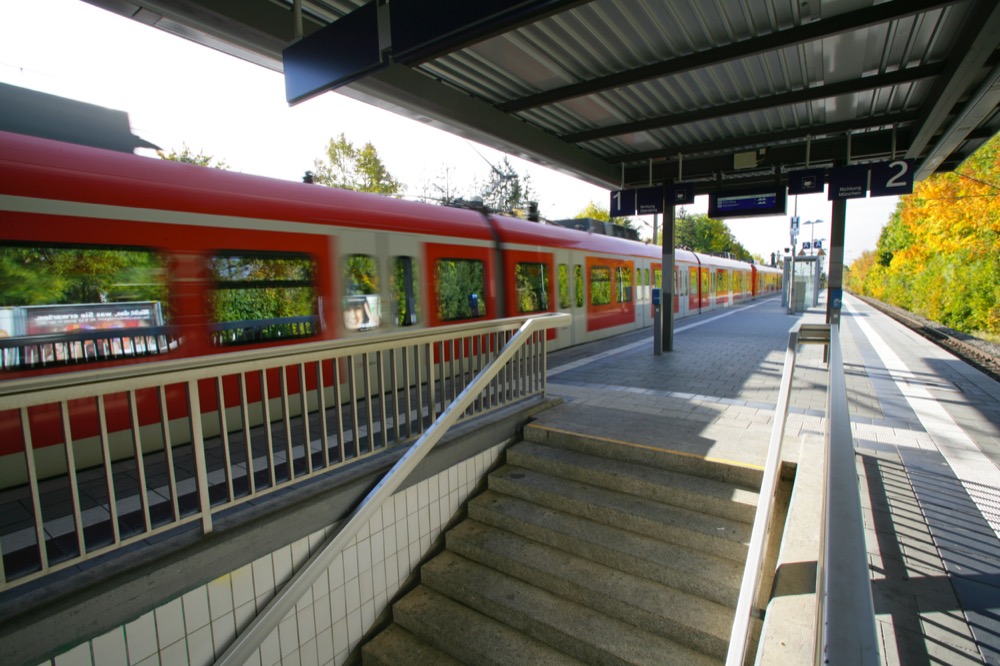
{"x":848,"y":182}
{"x":622,"y":203}
{"x":649,"y":200}
{"x":892,"y":178}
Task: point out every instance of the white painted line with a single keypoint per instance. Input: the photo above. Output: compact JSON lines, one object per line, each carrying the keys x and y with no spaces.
{"x":976,"y":472}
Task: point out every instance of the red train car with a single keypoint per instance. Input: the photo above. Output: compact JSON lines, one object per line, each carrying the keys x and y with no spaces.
{"x":112,"y":259}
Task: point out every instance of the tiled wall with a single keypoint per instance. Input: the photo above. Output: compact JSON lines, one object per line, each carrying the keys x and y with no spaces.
{"x":328,"y":621}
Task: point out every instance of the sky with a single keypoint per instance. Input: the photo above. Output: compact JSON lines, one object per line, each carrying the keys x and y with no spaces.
{"x":179,"y":93}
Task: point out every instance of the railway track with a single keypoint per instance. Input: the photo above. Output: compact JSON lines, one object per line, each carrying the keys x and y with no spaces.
{"x":981,"y":354}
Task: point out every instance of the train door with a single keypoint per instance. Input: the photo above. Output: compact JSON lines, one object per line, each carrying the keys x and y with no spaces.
{"x":692,"y":289}
{"x":570,"y":294}
{"x":642,"y":315}
{"x":405,"y":291}
{"x":703,"y":289}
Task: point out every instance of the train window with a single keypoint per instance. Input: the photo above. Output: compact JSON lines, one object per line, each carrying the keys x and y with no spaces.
{"x":531,"y":282}
{"x":460,"y":286}
{"x":261,"y":296}
{"x":404,"y":286}
{"x":624,"y":284}
{"x":72,"y":304}
{"x":657,"y":278}
{"x":564,"y":301}
{"x":600,"y":285}
{"x":362,"y":304}
{"x":578,"y":284}
{"x":649,"y":285}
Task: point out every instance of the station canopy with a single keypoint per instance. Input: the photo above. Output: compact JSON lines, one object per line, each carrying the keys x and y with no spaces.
{"x":621,"y":93}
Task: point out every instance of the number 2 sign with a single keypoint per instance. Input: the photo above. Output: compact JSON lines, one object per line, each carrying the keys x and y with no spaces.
{"x":892,"y":178}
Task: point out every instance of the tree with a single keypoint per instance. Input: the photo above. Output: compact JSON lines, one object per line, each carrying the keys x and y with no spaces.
{"x":506,"y":192}
{"x":700,"y":233}
{"x":352,"y":168}
{"x":188,"y":156}
{"x":595,"y":212}
{"x":939,"y":253}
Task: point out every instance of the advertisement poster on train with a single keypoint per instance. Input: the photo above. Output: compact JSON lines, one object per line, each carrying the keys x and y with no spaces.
{"x":42,"y":319}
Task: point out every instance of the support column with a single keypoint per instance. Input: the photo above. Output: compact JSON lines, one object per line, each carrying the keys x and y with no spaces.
{"x":835,"y":280}
{"x":667,"y":288}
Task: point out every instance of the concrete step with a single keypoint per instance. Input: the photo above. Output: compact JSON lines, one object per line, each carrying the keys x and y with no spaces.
{"x":714,"y":578}
{"x":396,"y":646}
{"x":467,"y":635}
{"x":678,"y":616}
{"x":708,"y":496}
{"x":698,"y":531}
{"x":746,"y":476}
{"x":569,"y":627}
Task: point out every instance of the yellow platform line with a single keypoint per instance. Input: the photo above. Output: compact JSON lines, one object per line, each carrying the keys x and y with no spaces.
{"x":647,"y":447}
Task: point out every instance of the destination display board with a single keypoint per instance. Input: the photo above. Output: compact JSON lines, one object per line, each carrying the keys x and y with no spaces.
{"x":746,"y":203}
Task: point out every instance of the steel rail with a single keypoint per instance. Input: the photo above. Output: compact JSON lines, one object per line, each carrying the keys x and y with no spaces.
{"x":266,"y":621}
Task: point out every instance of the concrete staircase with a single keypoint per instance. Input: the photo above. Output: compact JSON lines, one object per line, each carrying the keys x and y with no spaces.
{"x":583,"y":550}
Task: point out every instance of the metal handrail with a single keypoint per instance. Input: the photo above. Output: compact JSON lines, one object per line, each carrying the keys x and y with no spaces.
{"x":302,"y":580}
{"x":846,"y":631}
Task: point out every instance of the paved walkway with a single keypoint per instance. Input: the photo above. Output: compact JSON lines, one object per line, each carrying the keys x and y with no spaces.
{"x":926,"y":428}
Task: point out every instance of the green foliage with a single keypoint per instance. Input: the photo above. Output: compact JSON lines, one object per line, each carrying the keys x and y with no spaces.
{"x":532,"y":286}
{"x":64,"y":275}
{"x":700,"y":233}
{"x":250,"y":288}
{"x":939,"y":253}
{"x":600,"y":285}
{"x":188,"y":156}
{"x":461,"y":289}
{"x":352,"y":168}
{"x":595,"y":212}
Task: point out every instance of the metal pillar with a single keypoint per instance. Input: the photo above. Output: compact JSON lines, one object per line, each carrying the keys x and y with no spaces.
{"x":667,"y":277}
{"x":835,"y":280}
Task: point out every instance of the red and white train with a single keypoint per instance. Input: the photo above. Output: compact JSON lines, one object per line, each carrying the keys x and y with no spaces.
{"x":200,"y":261}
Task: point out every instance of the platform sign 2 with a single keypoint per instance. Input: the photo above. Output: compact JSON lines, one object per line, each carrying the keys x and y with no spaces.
{"x":892,"y":178}
{"x":622,"y":203}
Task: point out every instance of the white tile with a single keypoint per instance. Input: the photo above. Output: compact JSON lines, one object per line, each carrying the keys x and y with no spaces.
{"x":377,"y":542}
{"x":378,"y":579}
{"x":422,"y":497}
{"x":223,"y":633}
{"x":253,"y":659}
{"x":169,"y":623}
{"x":300,"y":553}
{"x":435,"y":516}
{"x":196,"y":613}
{"x":78,"y":656}
{"x":244,"y":615}
{"x":432,"y":489}
{"x":388,"y":541}
{"x":316,"y":540}
{"x":305,"y":601}
{"x":321,"y":614}
{"x":423,"y":522}
{"x":149,"y":661}
{"x":341,"y":642}
{"x":403,"y":565}
{"x":402,"y":536}
{"x":413,"y":526}
{"x":201,"y":649}
{"x":109,"y":649}
{"x":306,"y":619}
{"x":336,"y":572}
{"x":350,"y":562}
{"x":175,"y":654}
{"x":364,"y":555}
{"x":263,"y":577}
{"x":324,"y":646}
{"x":242,"y":584}
{"x":411,"y":500}
{"x":321,"y":587}
{"x":388,"y":518}
{"x":308,"y":655}
{"x":281,"y":560}
{"x":270,"y":650}
{"x":354,"y":628}
{"x":140,"y":636}
{"x":375,"y":524}
{"x":220,"y":597}
{"x":366,"y":586}
{"x":291,"y":659}
{"x":338,"y":605}
{"x":288,"y":634}
{"x":352,"y":595}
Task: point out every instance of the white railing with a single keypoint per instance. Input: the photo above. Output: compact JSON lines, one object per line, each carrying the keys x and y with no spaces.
{"x":846,"y":631}
{"x":531,"y":334}
{"x":113,"y":456}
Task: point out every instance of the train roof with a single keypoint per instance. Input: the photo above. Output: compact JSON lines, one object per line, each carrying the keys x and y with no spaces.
{"x":42,"y":168}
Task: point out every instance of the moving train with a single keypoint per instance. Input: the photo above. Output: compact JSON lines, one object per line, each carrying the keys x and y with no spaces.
{"x":111,"y":259}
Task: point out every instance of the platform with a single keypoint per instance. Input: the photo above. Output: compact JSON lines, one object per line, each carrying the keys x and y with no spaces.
{"x":926,"y":429}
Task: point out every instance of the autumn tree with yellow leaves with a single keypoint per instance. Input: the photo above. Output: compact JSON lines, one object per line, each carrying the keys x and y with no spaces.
{"x":939,"y":254}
